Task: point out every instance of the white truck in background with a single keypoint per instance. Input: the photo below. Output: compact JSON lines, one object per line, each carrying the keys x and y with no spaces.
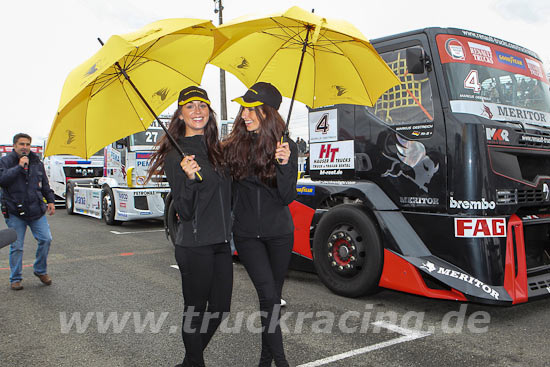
{"x":119,"y":193}
{"x":63,"y":167}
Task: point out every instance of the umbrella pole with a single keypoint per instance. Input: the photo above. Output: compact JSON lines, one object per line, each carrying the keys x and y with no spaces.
{"x":304,"y":47}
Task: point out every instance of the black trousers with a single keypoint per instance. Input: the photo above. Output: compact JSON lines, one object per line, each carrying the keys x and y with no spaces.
{"x":207,"y":283}
{"x":266,"y":260}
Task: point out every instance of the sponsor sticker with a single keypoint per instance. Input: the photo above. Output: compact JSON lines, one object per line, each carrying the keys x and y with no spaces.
{"x":323,"y":126}
{"x":480,"y":227}
{"x":430,"y":267}
{"x":510,"y":59}
{"x":335,"y":156}
{"x":418,"y":201}
{"x":501,"y":112}
{"x":497,"y":135}
{"x":471,"y":204}
{"x":481,"y":52}
{"x":455,"y":49}
{"x":305,"y":190}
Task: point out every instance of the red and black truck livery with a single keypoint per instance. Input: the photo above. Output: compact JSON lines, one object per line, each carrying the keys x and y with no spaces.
{"x":442,"y":188}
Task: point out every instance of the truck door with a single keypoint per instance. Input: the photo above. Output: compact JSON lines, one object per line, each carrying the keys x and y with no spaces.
{"x":400,"y":141}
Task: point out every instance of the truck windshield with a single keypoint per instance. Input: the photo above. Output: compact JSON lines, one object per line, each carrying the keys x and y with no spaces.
{"x":495,"y":82}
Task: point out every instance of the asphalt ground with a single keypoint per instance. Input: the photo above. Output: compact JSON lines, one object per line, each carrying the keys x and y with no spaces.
{"x":127,"y":298}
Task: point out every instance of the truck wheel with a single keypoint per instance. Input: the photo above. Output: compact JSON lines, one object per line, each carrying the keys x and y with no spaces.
{"x":108,"y":207}
{"x":69,"y":199}
{"x":171,"y":221}
{"x":347,"y":251}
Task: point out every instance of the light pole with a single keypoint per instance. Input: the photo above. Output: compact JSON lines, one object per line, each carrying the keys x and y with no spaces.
{"x":223,"y":100}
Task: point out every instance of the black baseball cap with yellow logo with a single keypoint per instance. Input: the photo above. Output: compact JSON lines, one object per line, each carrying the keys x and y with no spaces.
{"x":259,"y":94}
{"x":193,"y":93}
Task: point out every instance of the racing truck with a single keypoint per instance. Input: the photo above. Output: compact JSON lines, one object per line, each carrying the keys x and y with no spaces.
{"x":119,"y":192}
{"x":442,"y":188}
{"x":63,"y":167}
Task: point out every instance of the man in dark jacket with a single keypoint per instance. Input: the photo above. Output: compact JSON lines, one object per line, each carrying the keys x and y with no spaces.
{"x":26,"y":197}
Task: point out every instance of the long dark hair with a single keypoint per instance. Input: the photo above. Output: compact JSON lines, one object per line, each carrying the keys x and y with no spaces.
{"x":249,"y":153}
{"x":177,"y":130}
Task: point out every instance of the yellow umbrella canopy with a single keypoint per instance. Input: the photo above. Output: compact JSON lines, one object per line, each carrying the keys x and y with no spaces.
{"x":99,"y":103}
{"x":338,"y":65}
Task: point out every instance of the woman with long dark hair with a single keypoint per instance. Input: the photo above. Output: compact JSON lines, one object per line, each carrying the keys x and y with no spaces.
{"x":264,"y":172}
{"x":204,"y":209}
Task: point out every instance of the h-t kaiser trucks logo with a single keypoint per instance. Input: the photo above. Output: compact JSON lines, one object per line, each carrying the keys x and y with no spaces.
{"x":332,"y":158}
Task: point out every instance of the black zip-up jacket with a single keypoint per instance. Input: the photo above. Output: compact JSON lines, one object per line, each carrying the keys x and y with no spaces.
{"x":28,"y":188}
{"x":204,"y":207}
{"x":262,"y":211}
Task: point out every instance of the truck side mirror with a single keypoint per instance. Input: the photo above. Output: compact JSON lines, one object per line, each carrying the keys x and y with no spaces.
{"x":417,"y":61}
{"x":119,"y":144}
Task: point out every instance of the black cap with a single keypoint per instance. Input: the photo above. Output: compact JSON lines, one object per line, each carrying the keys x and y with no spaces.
{"x":192,"y":93}
{"x":259,"y":94}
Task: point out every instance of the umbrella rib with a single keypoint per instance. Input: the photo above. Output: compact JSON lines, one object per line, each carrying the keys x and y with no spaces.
{"x":357,"y":71}
{"x":284,"y":28}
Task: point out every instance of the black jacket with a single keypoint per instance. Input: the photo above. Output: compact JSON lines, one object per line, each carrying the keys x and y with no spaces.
{"x":262,"y":211}
{"x":28,"y":188}
{"x":204,"y":207}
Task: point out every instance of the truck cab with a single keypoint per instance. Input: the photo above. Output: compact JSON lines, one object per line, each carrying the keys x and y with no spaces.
{"x":442,"y":187}
{"x":120,"y":192}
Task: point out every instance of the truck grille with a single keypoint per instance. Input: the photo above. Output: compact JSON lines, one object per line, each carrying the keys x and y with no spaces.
{"x":541,"y":284}
{"x":140,"y":202}
{"x":531,"y":196}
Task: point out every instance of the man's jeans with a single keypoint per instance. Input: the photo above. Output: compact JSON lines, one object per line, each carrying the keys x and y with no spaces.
{"x":41,"y":231}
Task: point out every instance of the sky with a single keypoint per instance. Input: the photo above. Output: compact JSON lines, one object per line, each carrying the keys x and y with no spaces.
{"x":42,"y":41}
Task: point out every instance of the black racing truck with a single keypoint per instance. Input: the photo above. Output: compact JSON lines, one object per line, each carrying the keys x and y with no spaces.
{"x":440,"y":189}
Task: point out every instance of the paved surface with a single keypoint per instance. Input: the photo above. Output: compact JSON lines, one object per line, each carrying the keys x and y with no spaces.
{"x":113,"y":283}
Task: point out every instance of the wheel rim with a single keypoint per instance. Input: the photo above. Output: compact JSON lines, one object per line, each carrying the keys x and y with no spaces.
{"x":107,"y":206}
{"x":346,"y":251}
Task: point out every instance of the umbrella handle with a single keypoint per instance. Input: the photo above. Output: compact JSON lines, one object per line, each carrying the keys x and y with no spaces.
{"x":198,"y":176}
{"x":282,"y":141}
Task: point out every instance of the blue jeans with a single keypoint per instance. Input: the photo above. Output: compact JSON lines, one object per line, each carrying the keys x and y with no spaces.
{"x":41,"y":231}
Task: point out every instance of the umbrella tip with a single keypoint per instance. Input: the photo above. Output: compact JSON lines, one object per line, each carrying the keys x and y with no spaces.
{"x":100,"y":41}
{"x":313,"y":10}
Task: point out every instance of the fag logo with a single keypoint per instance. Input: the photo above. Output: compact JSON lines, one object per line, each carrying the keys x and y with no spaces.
{"x":500,"y":135}
{"x":328,"y":152}
{"x":480,"y":227}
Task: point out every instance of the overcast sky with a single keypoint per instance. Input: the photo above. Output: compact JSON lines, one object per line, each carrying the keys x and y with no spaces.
{"x":43,"y":40}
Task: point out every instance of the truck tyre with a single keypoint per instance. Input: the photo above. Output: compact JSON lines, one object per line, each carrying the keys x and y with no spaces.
{"x":347,"y":251}
{"x":171,"y":220}
{"x":108,"y":207}
{"x":69,"y":199}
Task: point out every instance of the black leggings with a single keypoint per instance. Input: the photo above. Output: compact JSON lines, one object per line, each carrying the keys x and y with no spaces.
{"x":266,"y":260}
{"x":207,"y":282}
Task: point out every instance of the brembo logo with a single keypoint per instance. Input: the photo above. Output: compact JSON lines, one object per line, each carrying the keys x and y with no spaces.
{"x":469,"y":204}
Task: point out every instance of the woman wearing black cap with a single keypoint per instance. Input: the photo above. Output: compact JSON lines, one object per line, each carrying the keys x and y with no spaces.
{"x":204,"y":209}
{"x":264,"y":171}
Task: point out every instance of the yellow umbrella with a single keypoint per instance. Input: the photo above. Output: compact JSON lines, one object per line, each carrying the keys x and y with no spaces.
{"x":127,"y":83}
{"x":314,"y":60}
